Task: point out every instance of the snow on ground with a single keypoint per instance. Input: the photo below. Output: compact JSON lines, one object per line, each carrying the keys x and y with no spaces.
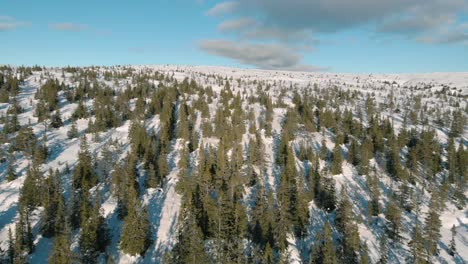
{"x":164,"y":211}
{"x":164,"y":203}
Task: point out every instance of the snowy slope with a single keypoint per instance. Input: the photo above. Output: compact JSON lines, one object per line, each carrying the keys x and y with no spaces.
{"x":164,"y":204}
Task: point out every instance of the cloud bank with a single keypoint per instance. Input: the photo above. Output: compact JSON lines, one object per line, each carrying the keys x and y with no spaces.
{"x":8,"y":23}
{"x":72,"y":27}
{"x":301,"y":23}
{"x":265,"y":56}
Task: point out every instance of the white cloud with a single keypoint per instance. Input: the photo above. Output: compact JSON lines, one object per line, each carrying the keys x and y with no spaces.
{"x":68,"y":27}
{"x":222,"y":8}
{"x":235,"y":24}
{"x":9,"y":23}
{"x":265,"y":56}
{"x":287,"y":29}
{"x":449,"y":37}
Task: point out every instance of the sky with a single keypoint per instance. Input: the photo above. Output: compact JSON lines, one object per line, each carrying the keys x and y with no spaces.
{"x":360,"y":36}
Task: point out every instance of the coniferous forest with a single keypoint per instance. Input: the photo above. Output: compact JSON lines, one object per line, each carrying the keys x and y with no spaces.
{"x":173,"y":164}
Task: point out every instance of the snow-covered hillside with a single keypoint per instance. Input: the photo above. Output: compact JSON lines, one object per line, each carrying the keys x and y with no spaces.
{"x":421,"y":102}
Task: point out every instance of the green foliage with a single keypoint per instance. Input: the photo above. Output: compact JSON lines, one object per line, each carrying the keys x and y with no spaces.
{"x":383,"y":250}
{"x":56,"y":120}
{"x":95,"y":235}
{"x":393,"y":215}
{"x":135,"y":237}
{"x":52,"y":201}
{"x":452,"y":244}
{"x":48,"y":93}
{"x":190,"y":246}
{"x":30,"y":193}
{"x":239,"y":202}
{"x":324,"y":251}
{"x":24,"y":241}
{"x":337,"y":160}
{"x":11,"y":174}
{"x":417,"y":246}
{"x":83,"y":175}
{"x":432,"y":226}
{"x":73,"y":131}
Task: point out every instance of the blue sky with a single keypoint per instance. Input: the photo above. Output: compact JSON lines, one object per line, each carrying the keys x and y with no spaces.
{"x":313,"y":35}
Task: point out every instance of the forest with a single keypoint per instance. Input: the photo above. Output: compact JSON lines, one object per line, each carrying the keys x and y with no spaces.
{"x":175,"y":164}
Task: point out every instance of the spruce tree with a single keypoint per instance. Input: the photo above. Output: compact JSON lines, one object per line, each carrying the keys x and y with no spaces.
{"x":11,"y":174}
{"x":353,"y":156}
{"x":452,"y":244}
{"x":73,"y":131}
{"x":61,"y":253}
{"x":190,"y":245}
{"x":393,"y":215}
{"x":327,"y":197}
{"x":83,"y":175}
{"x":53,"y":197}
{"x":135,"y":236}
{"x":417,"y":246}
{"x":94,"y":234}
{"x":365,"y":258}
{"x":432,"y":228}
{"x":24,"y":241}
{"x":327,"y":249}
{"x":343,"y":212}
{"x":350,"y":234}
{"x":324,"y":150}
{"x":11,"y":248}
{"x":268,"y":257}
{"x":30,"y":192}
{"x":365,"y":156}
{"x":56,"y":120}
{"x":383,"y":250}
{"x":337,"y":160}
{"x":393,"y":161}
